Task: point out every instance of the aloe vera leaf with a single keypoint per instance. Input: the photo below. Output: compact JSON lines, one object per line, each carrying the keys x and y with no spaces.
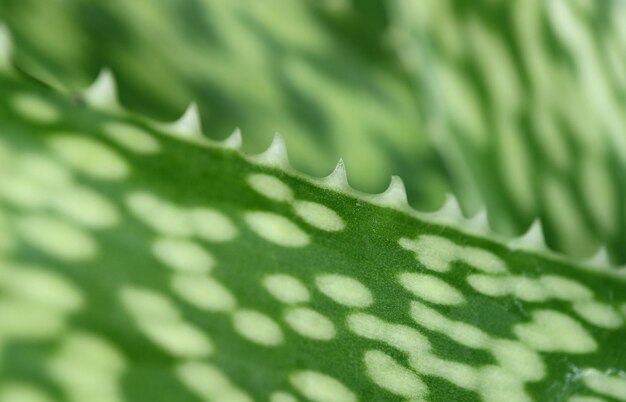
{"x":278,"y":66}
{"x":137,"y":265}
{"x":526,"y":101}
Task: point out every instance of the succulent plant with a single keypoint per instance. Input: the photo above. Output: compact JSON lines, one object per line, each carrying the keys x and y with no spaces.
{"x":144,"y":257}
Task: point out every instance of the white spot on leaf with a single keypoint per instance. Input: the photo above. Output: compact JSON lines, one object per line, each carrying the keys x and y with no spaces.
{"x":276,"y":229}
{"x":319,"y":216}
{"x":344,"y":290}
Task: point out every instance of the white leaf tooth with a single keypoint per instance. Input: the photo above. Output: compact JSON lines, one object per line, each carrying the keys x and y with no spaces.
{"x":233,"y":141}
{"x":6,"y":48}
{"x":533,"y":239}
{"x":480,"y":221}
{"x":338,"y":179}
{"x":275,"y":155}
{"x":188,"y":125}
{"x":394,"y":195}
{"x":450,"y":211}
{"x":102,"y":93}
{"x":600,"y":259}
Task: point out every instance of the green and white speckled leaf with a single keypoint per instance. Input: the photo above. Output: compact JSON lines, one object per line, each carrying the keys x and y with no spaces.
{"x":141,"y":265}
{"x":272,"y":66}
{"x":525,"y":102}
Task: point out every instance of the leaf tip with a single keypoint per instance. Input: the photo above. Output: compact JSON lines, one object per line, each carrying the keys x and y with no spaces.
{"x":275,"y":154}
{"x":600,"y":259}
{"x":102,"y":93}
{"x":532,"y":240}
{"x":189,"y":124}
{"x":480,"y":221}
{"x":395,"y":195}
{"x":338,"y":178}
{"x":450,"y":211}
{"x":234,"y":140}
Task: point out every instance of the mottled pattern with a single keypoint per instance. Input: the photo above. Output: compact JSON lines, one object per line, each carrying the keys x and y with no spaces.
{"x":524,"y":100}
{"x":190,"y":273}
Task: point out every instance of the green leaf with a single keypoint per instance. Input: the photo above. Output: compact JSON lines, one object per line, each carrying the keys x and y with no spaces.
{"x":138,"y":264}
{"x":298,"y":68}
{"x":525,"y":99}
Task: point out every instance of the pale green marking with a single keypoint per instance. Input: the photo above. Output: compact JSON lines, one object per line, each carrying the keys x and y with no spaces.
{"x":483,"y":260}
{"x":43,"y":322}
{"x":148,"y":304}
{"x":89,"y":368}
{"x":459,"y":374}
{"x":545,"y":333}
{"x":497,"y":68}
{"x":460,"y":332}
{"x":57,"y":238}
{"x":7,"y":239}
{"x":460,"y":104}
{"x":527,"y":289}
{"x":400,"y":337}
{"x":89,"y":156}
{"x":564,"y":288}
{"x":92,"y":352}
{"x":599,"y":314}
{"x":41,"y":286}
{"x":203,"y":292}
{"x":22,"y":192}
{"x":580,"y":398}
{"x":611,"y":386}
{"x":257,"y":327}
{"x":35,"y":108}
{"x":310,"y":324}
{"x":44,"y":170}
{"x":162,"y":323}
{"x":132,"y":138}
{"x":183,"y":255}
{"x":281,"y":396}
{"x":212,"y":225}
{"x":318,"y":387}
{"x":22,"y":392}
{"x":516,"y":167}
{"x":388,"y":374}
{"x":276,"y":229}
{"x":319,"y":216}
{"x":344,"y":290}
{"x":286,"y":289}
{"x":519,"y":359}
{"x":437,"y":253}
{"x":488,"y":285}
{"x":179,"y":338}
{"x":210,"y":383}
{"x":270,"y":187}
{"x":160,"y":215}
{"x":552,"y":142}
{"x":564,"y":216}
{"x":431,"y":288}
{"x":599,"y":193}
{"x":497,"y":385}
{"x":433,"y":252}
{"x":86,"y":208}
